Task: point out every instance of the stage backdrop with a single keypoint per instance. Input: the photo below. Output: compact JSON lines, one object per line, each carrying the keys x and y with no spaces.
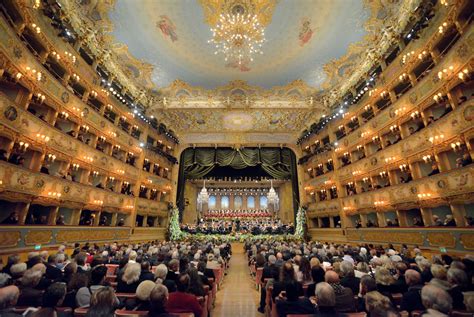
{"x":279,"y":163}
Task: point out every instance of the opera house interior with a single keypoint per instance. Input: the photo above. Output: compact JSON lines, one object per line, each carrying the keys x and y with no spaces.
{"x":236,"y":158}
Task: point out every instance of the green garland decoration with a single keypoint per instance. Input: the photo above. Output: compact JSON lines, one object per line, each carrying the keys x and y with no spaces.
{"x":174,"y":228}
{"x":300,"y":221}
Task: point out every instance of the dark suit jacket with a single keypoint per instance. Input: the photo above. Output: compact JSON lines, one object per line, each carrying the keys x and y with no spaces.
{"x":278,"y":287}
{"x":147,"y":276}
{"x":345,"y":301}
{"x":270,"y":271}
{"x":53,"y":273}
{"x":400,"y":285}
{"x":30,"y":297}
{"x":351,"y":282}
{"x":172,"y":276}
{"x":411,"y":300}
{"x":458,"y":297}
{"x":300,"y":306}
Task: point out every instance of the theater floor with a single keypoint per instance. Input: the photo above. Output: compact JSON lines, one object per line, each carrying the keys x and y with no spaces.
{"x":238,"y":296}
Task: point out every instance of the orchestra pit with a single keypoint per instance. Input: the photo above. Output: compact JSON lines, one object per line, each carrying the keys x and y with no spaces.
{"x":230,"y":158}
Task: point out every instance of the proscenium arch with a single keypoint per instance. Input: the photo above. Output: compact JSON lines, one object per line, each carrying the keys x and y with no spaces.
{"x":292,"y":165}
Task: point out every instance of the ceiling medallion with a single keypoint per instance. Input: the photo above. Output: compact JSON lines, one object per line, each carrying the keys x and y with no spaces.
{"x":238,"y":35}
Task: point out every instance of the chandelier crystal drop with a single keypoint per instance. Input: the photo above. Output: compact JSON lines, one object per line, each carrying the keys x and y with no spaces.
{"x":238,"y":37}
{"x":272,"y":196}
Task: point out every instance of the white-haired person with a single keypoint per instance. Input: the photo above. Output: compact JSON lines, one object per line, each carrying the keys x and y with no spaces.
{"x":436,"y":301}
{"x":130,"y":279}
{"x":30,"y":296}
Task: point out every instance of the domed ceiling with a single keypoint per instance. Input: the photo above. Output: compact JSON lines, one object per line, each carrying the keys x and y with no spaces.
{"x":314,"y":51}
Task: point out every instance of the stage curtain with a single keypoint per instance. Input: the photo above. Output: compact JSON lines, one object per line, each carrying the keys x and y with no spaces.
{"x":199,"y":162}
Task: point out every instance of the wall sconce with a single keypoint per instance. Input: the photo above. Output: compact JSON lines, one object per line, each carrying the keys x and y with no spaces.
{"x":309,"y":169}
{"x":442,"y":27}
{"x":407,"y":56}
{"x":415,"y":114}
{"x":383,"y":174}
{"x":346,"y":154}
{"x":446,"y":72}
{"x":354,"y":119}
{"x":379,"y":203}
{"x":456,"y":146}
{"x":367,"y":108}
{"x":341,"y":127}
{"x":50,"y":157}
{"x":75,"y":77}
{"x":400,"y":111}
{"x":464,"y":75}
{"x":384,"y":94}
{"x":364,"y":134}
{"x":359,"y":147}
{"x":129,"y":206}
{"x":316,"y":142}
{"x":121,"y":172}
{"x":98,"y":202}
{"x":404,"y":168}
{"x":337,"y":149}
{"x":423,"y":55}
{"x":390,"y":159}
{"x":350,"y":184}
{"x":54,"y":194}
{"x":93,"y":94}
{"x":39,"y":97}
{"x":439,"y":97}
{"x":320,"y":165}
{"x":375,"y":138}
{"x":88,"y":158}
{"x":347,"y":208}
{"x":424,"y":195}
{"x":312,"y":193}
{"x":307,"y":147}
{"x":84,"y":128}
{"x":102,"y":138}
{"x":166,"y":169}
{"x":356,"y":173}
{"x":111,"y":178}
{"x":42,"y":137}
{"x":394,"y":128}
{"x":126,"y":183}
{"x":444,"y":2}
{"x":75,"y":167}
{"x":63,"y":115}
{"x":117,"y":147}
{"x":36,"y":28}
{"x":403,"y":77}
{"x":365,"y":179}
{"x":436,"y":138}
{"x":23,"y":146}
{"x":95,"y":173}
{"x":330,"y":161}
{"x":427,"y":158}
{"x":372,"y":92}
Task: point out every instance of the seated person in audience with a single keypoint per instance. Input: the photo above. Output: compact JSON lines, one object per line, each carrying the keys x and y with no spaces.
{"x":466,"y":159}
{"x":388,"y":143}
{"x":181,"y":301}
{"x":72,"y":133}
{"x":53,"y":298}
{"x":146,"y":274}
{"x":430,"y":120}
{"x":158,"y":300}
{"x":3,"y":155}
{"x":411,"y":130}
{"x":287,"y":275}
{"x":97,"y":277}
{"x":103,"y":303}
{"x":398,"y":138}
{"x":121,"y":222}
{"x":458,"y":280}
{"x":30,"y":296}
{"x":367,"y":284}
{"x":52,"y":271}
{"x":8,"y":299}
{"x":449,"y":221}
{"x":436,"y":221}
{"x":434,"y":169}
{"x":325,"y":299}
{"x":417,"y":222}
{"x":142,"y":302}
{"x":103,"y":221}
{"x":378,"y":305}
{"x":130,"y":279}
{"x":469,"y":220}
{"x":447,"y":109}
{"x":344,"y":295}
{"x":60,"y":220}
{"x":385,"y":281}
{"x":436,"y":301}
{"x":348,"y":277}
{"x":161,"y":273}
{"x":411,"y":299}
{"x":12,"y":219}
{"x":17,"y":270}
{"x":439,"y":279}
{"x":289,"y":303}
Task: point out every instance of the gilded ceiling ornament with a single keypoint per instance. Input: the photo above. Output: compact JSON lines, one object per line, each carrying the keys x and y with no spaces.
{"x":263,"y":9}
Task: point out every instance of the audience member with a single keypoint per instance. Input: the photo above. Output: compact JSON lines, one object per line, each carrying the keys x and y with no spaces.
{"x":181,"y":301}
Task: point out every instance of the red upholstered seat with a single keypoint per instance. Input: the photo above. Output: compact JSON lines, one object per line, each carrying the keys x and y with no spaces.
{"x":111,"y":269}
{"x":80,"y":312}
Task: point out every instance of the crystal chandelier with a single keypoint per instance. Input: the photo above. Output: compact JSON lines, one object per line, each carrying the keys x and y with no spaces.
{"x":238,"y":36}
{"x":203,"y":196}
{"x":272,"y":196}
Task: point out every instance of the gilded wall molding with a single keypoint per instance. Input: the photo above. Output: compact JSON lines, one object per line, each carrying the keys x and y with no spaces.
{"x":33,"y":237}
{"x":9,"y":238}
{"x":441,"y":239}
